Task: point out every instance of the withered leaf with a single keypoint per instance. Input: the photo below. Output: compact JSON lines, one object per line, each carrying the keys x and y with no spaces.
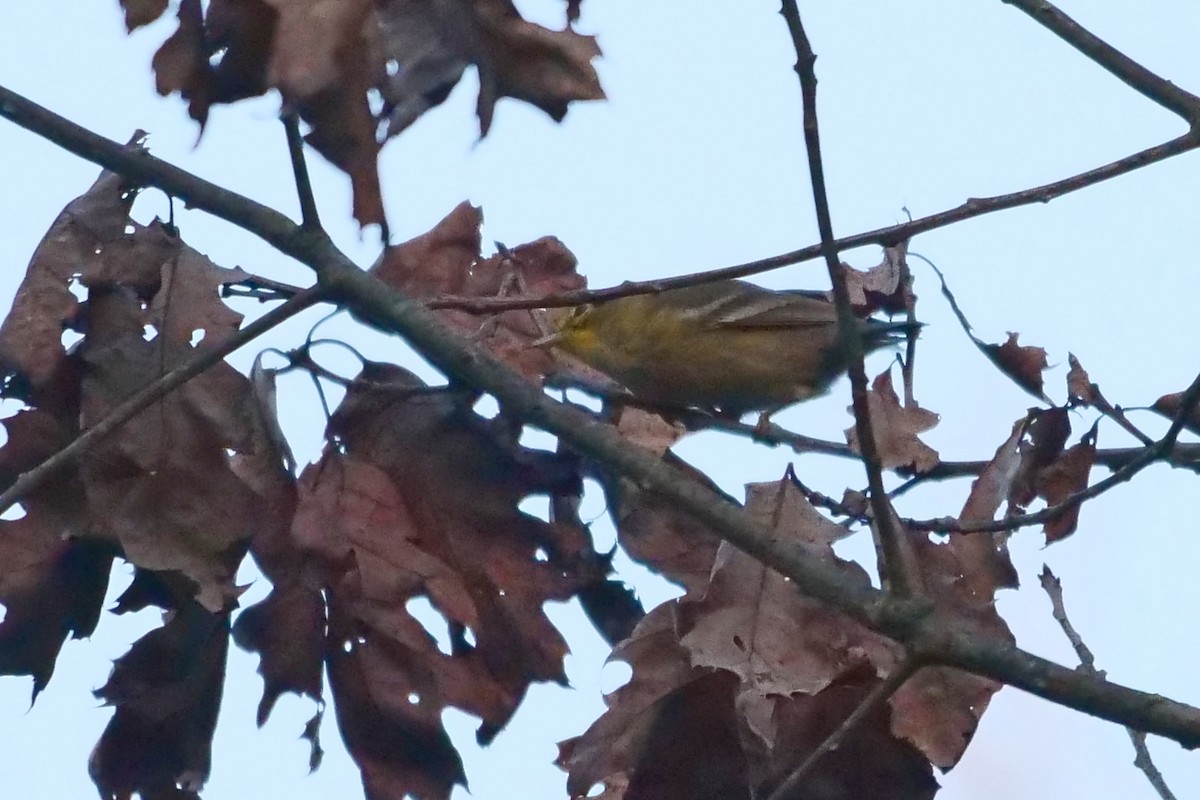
{"x":1046,"y":436}
{"x":426,"y":48}
{"x":668,"y":721}
{"x":446,"y":260}
{"x":984,"y":556}
{"x":885,"y":287}
{"x":655,"y":532}
{"x":755,"y":623}
{"x":51,"y":588}
{"x":287,"y":629}
{"x":1063,"y":478}
{"x":419,"y":499}
{"x":1024,"y":364}
{"x":1080,"y":388}
{"x":896,"y":429}
{"x":1170,"y":406}
{"x":938,"y":709}
{"x":326,"y":58}
{"x":142,"y":12}
{"x":167,"y":692}
{"x":869,"y":762}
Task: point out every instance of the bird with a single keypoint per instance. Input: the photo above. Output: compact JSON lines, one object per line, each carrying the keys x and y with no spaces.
{"x":729,"y":347}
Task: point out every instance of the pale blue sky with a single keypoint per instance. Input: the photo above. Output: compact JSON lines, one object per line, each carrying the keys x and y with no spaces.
{"x":697,"y":162}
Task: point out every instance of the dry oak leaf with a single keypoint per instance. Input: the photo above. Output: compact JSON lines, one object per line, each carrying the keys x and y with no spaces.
{"x":870,"y":762}
{"x":754,"y":622}
{"x":938,"y":709}
{"x":1063,"y":478}
{"x":427,"y":45}
{"x":885,"y":287}
{"x":1046,"y":436}
{"x":142,"y":12}
{"x":51,"y":587}
{"x":327,"y":56}
{"x":896,"y":429}
{"x":162,"y":486}
{"x":670,"y":732}
{"x":1079,"y":385}
{"x":1170,"y":405}
{"x":166,"y":691}
{"x":1022,"y":363}
{"x":419,"y":497}
{"x":656,"y":533}
{"x":984,"y":556}
{"x":446,"y":261}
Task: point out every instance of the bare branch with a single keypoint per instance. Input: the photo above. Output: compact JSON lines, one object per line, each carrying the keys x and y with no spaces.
{"x":1087,"y":662}
{"x":1132,"y":74}
{"x":894,"y":561}
{"x":1147,"y":456}
{"x":308,"y":204}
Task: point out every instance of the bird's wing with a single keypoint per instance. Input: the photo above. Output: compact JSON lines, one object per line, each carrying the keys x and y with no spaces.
{"x":775,"y":310}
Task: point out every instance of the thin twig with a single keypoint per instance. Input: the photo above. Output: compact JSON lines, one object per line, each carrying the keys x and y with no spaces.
{"x":894,"y":563}
{"x":869,"y":704}
{"x":1132,"y":74}
{"x":931,"y":633}
{"x":1087,"y":661}
{"x":308,"y":203}
{"x":890,"y":235}
{"x":153,"y":392}
{"x":1147,"y":456}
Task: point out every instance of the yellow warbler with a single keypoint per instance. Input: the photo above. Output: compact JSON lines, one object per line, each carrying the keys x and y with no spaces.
{"x":728,"y":346}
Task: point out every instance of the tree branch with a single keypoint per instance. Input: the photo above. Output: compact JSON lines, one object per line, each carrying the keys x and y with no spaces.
{"x":933,"y":636}
{"x":894,"y":563}
{"x":1132,"y":74}
{"x":308,"y":204}
{"x":1053,"y":587}
{"x":1148,"y":455}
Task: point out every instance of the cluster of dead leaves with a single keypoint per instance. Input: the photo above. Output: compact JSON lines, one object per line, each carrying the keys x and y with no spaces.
{"x":417,"y":497}
{"x":328,"y":59}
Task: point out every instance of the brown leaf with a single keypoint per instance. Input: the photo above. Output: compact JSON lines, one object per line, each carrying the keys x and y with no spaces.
{"x":1066,"y":476}
{"x":389,"y":714}
{"x":142,"y":12}
{"x":167,"y":692}
{"x":51,"y":588}
{"x":1022,"y":363}
{"x":939,"y":708}
{"x":752,"y":621}
{"x":31,"y":335}
{"x":287,"y":629}
{"x":885,"y":287}
{"x":648,"y":431}
{"x":1170,"y":406}
{"x":422,"y":51}
{"x":984,"y":556}
{"x":446,"y":260}
{"x":1080,"y":388}
{"x":657,"y":534}
{"x":419,"y":498}
{"x":1047,"y":435}
{"x":162,"y":487}
{"x":868,"y":763}
{"x":896,"y":429}
{"x":670,"y":732}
